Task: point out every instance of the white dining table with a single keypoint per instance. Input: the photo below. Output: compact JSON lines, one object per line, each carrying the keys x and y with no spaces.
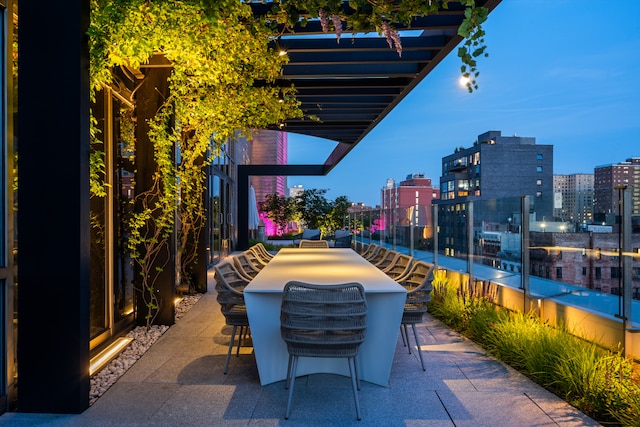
{"x":385,"y":304}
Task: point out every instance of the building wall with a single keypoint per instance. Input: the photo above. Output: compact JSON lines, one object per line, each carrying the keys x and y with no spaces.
{"x":268,"y":147}
{"x":607,"y":178}
{"x":399,"y":202}
{"x":589,"y":260}
{"x":576,"y":197}
{"x":494,"y":173}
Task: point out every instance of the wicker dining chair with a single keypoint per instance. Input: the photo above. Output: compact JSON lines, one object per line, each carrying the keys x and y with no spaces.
{"x":323,"y":321}
{"x":388,"y":259}
{"x":379,"y":255}
{"x":263,"y":252}
{"x":256,"y":257}
{"x":419,"y":284}
{"x":313,"y":244}
{"x":230,"y":296}
{"x":245,"y":265}
{"x":369,"y":251}
{"x":400,"y":267}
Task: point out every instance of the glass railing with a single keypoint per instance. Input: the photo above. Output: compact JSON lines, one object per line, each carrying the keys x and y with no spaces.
{"x":548,"y":248}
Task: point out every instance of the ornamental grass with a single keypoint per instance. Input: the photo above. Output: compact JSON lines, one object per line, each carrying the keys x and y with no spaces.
{"x":600,"y":382}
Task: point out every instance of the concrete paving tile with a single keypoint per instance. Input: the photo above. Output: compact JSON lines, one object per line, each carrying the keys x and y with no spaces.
{"x":208,"y":405}
{"x":129,"y":403}
{"x":493,"y":409}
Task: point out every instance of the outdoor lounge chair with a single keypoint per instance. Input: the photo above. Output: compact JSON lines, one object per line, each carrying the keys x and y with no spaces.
{"x":307,"y":234}
{"x":341,"y":239}
{"x":323,"y":321}
{"x":418,"y":283}
{"x":230,"y":296}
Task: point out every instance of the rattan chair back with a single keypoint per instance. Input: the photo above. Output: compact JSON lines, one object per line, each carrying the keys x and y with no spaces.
{"x":229,"y":275}
{"x":400,"y":266}
{"x":313,"y":244}
{"x":369,"y":251}
{"x":256,"y":257}
{"x":323,"y":321}
{"x":245,"y":266}
{"x":379,"y":255}
{"x":389,"y":258}
{"x":263,"y":252}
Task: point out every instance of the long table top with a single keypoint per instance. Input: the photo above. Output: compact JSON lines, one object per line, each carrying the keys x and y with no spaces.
{"x":322,"y":266}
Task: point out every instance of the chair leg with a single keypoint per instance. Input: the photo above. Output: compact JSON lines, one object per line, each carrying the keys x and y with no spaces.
{"x":406,"y":337}
{"x":355,"y":364}
{"x":292,"y":381}
{"x":352,"y":369}
{"x":287,"y":383}
{"x":402,"y":334}
{"x":415,"y":334}
{"x":233,"y":335}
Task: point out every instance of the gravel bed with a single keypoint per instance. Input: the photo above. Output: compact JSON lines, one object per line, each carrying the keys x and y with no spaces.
{"x":143,"y":339}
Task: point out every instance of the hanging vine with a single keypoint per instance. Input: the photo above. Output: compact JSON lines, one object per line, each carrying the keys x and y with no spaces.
{"x":221,"y":84}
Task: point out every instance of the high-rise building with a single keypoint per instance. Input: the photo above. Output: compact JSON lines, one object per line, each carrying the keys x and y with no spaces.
{"x":573,"y":197}
{"x":268,"y":147}
{"x":494,"y":173}
{"x":608,"y":179}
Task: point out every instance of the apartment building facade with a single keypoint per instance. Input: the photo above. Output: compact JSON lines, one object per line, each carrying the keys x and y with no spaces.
{"x":495,"y":173}
{"x":608,"y":181}
{"x":573,"y":198}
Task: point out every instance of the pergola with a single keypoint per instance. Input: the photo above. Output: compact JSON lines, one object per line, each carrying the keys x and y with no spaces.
{"x":351,"y":86}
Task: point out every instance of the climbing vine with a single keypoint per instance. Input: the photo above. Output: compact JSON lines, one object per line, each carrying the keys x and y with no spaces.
{"x":223,"y":69}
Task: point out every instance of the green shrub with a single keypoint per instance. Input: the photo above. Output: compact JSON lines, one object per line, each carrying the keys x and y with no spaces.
{"x":601,"y":383}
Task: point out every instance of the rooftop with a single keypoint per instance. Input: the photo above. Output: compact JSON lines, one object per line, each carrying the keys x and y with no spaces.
{"x":179,"y":381}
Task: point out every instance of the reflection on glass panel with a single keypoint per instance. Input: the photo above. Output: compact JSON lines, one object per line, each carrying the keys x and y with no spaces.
{"x":124,"y":146}
{"x":98,"y":308}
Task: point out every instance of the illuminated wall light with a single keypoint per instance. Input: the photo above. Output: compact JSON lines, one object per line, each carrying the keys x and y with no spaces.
{"x":108,"y":354}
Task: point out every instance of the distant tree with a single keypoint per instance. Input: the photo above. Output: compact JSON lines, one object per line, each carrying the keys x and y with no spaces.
{"x":337,"y":218}
{"x":310,"y":207}
{"x":278,"y":209}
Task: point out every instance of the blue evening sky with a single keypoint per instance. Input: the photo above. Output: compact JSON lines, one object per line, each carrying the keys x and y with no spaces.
{"x":566,"y":72}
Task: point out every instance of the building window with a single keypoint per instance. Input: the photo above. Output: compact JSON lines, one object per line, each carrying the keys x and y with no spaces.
{"x":616,"y":273}
{"x":598,"y":272}
{"x":538,"y":182}
{"x":584,"y":271}
{"x":558,"y":272}
{"x":538,"y":193}
{"x":538,"y":168}
{"x":539,"y":156}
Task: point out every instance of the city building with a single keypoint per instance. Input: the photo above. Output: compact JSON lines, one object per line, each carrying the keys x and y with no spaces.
{"x":268,"y":147}
{"x":608,"y":179}
{"x":590,"y":260}
{"x":296,"y":190}
{"x":573,"y":198}
{"x":408,"y":203}
{"x":494,"y":173}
